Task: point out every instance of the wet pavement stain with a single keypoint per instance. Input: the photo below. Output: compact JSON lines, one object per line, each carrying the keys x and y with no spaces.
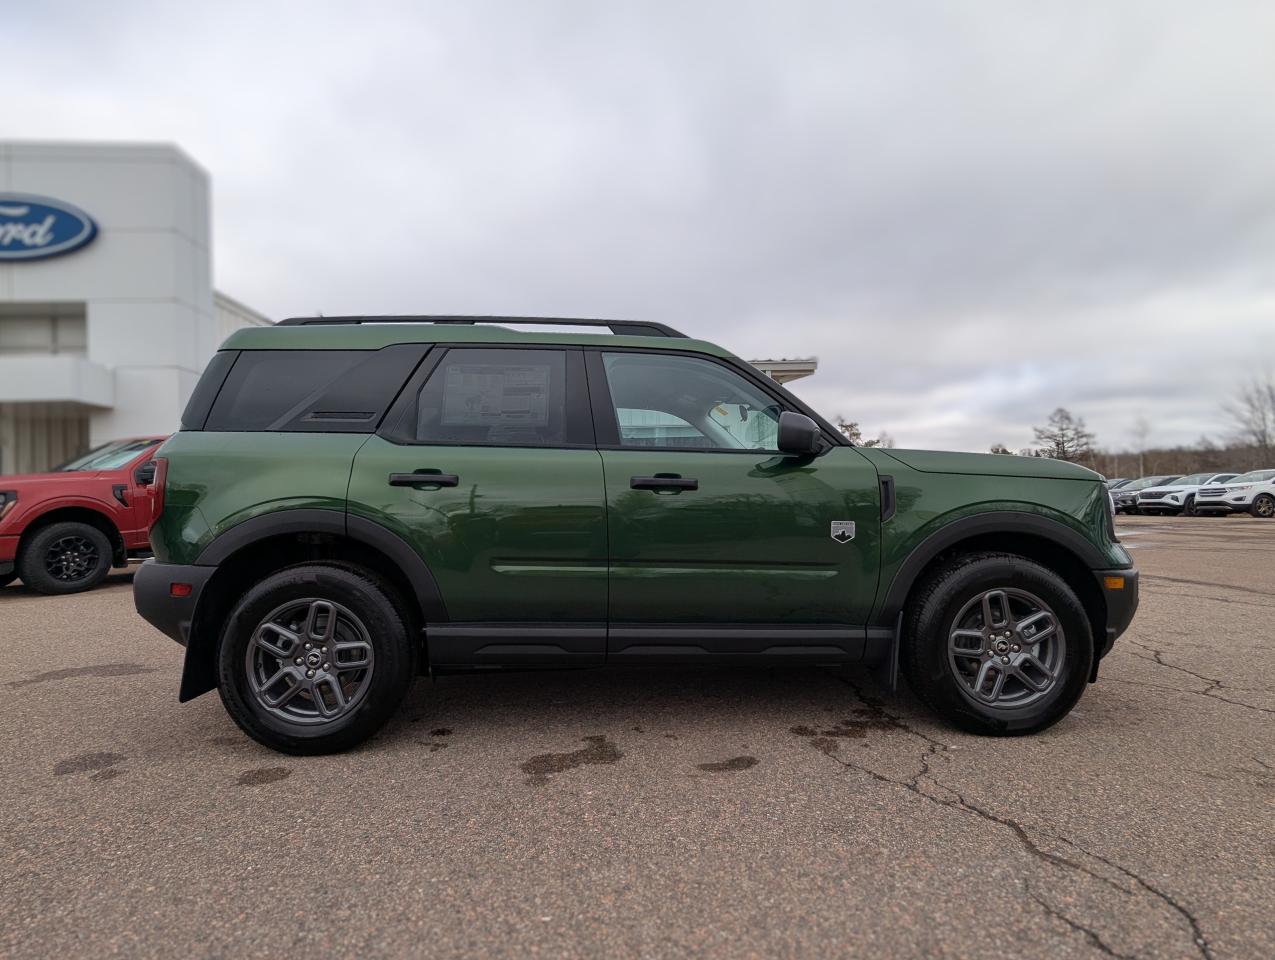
{"x":87,"y":762}
{"x":263,"y":775}
{"x":435,"y":747}
{"x":599,"y":750}
{"x":441,"y":732}
{"x":98,"y":670}
{"x":728,"y":766}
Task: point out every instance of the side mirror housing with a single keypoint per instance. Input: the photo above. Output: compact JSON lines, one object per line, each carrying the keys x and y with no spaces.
{"x":145,"y":474}
{"x":799,"y":435}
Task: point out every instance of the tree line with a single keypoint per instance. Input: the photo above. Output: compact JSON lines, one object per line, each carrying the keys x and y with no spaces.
{"x":1248,"y":445}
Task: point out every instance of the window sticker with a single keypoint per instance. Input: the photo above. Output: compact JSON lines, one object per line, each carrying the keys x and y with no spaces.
{"x":479,"y":394}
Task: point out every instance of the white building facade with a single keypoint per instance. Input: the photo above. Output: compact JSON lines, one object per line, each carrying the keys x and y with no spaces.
{"x":107,"y":308}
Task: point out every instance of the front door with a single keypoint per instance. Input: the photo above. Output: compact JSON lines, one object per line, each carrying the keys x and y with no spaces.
{"x":487,"y":467}
{"x":719,"y":544}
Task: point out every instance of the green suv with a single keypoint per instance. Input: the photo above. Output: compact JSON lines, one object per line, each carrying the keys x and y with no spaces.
{"x":355,"y":501}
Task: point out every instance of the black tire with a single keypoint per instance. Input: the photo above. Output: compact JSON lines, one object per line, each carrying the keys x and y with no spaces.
{"x":1188,"y":508}
{"x":66,"y":557}
{"x":368,"y":603}
{"x":1263,"y":506}
{"x":933,"y":615}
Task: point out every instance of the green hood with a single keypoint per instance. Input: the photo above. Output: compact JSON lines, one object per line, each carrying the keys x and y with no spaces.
{"x":990,"y":464}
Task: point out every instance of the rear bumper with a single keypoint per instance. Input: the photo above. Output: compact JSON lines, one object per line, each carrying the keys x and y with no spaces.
{"x":153,"y":596}
{"x":1122,"y":604}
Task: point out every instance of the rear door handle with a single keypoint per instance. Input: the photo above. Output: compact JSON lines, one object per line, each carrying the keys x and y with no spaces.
{"x":424,"y":478}
{"x":664,"y":481}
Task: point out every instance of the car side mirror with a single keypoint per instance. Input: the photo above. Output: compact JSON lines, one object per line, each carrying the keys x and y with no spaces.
{"x":799,"y":435}
{"x":145,"y":474}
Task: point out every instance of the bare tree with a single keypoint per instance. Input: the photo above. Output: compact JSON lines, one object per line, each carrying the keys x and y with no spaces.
{"x":850,"y":428}
{"x":1064,"y":437}
{"x":1141,"y":430}
{"x":1252,"y":412}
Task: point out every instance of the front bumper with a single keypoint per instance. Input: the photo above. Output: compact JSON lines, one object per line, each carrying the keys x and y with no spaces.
{"x":1218,"y":504}
{"x":1122,"y":604}
{"x":8,"y":550}
{"x":153,"y":588}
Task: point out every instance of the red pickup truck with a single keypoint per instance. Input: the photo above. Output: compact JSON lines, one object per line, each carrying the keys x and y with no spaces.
{"x":62,"y":531}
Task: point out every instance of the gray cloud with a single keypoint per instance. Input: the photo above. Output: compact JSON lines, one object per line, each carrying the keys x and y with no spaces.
{"x":971,"y":213}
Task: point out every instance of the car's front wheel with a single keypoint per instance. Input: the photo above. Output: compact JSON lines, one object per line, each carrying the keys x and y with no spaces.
{"x":65,"y":557}
{"x":316,"y":658}
{"x":1263,"y":506}
{"x":997,"y":644}
{"x":1188,"y":508}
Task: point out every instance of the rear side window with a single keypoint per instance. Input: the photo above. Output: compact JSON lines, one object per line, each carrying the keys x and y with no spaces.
{"x":495,"y":397}
{"x":326,"y":391}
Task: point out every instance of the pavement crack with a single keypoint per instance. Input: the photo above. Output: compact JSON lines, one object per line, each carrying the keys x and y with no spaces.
{"x":1091,"y":935}
{"x":1211,"y":691}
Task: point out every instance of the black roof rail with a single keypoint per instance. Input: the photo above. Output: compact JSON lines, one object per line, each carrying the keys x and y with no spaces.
{"x":621,"y":328}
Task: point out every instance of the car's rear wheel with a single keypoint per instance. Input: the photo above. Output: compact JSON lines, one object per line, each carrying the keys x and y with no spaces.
{"x":65,"y":557}
{"x":316,"y":658}
{"x":1263,"y":506}
{"x":997,"y":644}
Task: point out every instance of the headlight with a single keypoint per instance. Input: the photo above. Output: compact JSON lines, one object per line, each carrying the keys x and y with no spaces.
{"x":1243,"y":486}
{"x":7,"y":499}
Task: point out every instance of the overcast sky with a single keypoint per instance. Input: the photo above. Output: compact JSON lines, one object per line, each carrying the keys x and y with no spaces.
{"x":971,"y":213}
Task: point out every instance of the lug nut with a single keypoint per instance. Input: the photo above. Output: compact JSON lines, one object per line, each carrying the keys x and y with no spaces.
{"x":1004,"y":659}
{"x":326,"y":667}
{"x":309,"y":646}
{"x":1015,"y":647}
{"x":309,"y":673}
{"x":299,"y":661}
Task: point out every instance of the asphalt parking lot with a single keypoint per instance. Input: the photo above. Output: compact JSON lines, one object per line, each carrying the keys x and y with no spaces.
{"x":720,"y":813}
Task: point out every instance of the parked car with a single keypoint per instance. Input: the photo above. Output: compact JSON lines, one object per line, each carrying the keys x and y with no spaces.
{"x":1117,"y":483}
{"x":62,"y":531}
{"x":1126,"y":498}
{"x":350,"y":502}
{"x":1252,"y":492}
{"x":1178,"y":496}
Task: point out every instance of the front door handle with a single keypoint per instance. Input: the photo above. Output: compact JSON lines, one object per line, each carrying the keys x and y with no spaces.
{"x":424,"y":478}
{"x":664,"y":481}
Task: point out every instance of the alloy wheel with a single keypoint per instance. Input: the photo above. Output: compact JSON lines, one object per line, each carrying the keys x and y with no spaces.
{"x":71,"y":559}
{"x":1264,"y":507}
{"x":310,"y":661}
{"x":1006,"y":648}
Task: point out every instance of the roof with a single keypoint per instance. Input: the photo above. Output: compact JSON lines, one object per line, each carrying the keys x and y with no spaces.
{"x":372,"y":333}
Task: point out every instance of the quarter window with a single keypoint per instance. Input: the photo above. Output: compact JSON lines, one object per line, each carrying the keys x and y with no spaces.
{"x":666,"y":400}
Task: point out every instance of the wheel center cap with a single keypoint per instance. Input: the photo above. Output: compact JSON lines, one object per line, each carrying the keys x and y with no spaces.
{"x":1002,"y":646}
{"x":313,"y":659}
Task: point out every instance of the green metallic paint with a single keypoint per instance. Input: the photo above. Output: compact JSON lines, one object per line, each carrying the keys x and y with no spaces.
{"x":218,"y":480}
{"x":521,"y":538}
{"x":752,"y":545}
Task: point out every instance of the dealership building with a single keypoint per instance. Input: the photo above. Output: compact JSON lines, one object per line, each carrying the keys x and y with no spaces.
{"x":107,"y":307}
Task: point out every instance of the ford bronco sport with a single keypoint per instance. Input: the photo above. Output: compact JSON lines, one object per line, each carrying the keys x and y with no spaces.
{"x":354,"y":501}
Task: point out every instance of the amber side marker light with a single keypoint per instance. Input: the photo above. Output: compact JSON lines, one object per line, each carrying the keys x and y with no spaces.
{"x":1113,"y":583}
{"x":185,"y":589}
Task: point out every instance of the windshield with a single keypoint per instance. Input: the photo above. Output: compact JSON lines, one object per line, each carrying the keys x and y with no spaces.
{"x":1146,"y":482}
{"x":1255,"y":476}
{"x":110,"y":456}
{"x":1194,"y":479}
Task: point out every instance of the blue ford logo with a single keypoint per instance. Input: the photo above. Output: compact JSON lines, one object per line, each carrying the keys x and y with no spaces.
{"x":35,"y":227}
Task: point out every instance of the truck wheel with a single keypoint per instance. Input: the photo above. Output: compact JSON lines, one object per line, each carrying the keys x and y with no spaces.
{"x":315,"y":658}
{"x":1263,"y":506}
{"x":997,"y":644}
{"x":65,"y":557}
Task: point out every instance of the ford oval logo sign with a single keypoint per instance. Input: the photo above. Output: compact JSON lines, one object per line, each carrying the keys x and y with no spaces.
{"x":35,"y":227}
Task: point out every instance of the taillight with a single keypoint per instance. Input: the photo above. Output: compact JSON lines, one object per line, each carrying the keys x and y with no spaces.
{"x":157,"y":489}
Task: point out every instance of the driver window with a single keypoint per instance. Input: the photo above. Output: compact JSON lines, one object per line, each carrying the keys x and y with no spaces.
{"x":669,"y":401}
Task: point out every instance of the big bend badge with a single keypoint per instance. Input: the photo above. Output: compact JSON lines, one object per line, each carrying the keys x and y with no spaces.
{"x":843,"y":530}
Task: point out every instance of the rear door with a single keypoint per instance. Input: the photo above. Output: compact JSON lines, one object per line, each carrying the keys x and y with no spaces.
{"x":720,"y":545}
{"x":487,"y":467}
